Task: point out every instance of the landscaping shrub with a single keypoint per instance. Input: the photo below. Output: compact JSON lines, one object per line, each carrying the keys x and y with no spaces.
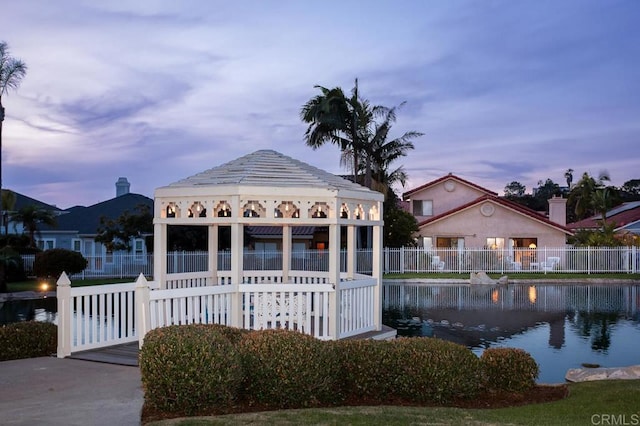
{"x":368,"y":370}
{"x":433,"y":370}
{"x":27,"y":339}
{"x":191,"y":368}
{"x":51,"y":263}
{"x":12,"y":261}
{"x":287,"y":369}
{"x":508,"y":369}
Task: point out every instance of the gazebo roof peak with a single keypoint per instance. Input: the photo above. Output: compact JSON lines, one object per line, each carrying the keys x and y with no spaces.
{"x":268,"y":168}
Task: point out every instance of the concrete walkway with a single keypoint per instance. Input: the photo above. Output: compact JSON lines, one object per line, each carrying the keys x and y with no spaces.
{"x":52,"y":391}
{"x":601,"y":373}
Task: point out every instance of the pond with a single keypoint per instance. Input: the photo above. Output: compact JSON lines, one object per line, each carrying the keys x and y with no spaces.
{"x":40,"y":309}
{"x":561,"y":326}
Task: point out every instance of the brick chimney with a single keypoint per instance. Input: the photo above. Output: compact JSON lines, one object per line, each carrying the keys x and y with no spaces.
{"x":558,"y":210}
{"x":122,"y":186}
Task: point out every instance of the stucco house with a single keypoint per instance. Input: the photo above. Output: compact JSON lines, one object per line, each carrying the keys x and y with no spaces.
{"x":454,"y":213}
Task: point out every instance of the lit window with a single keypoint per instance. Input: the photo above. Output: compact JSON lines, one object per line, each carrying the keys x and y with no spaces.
{"x":495,"y":243}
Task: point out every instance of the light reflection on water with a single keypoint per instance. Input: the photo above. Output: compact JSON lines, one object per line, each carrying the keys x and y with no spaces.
{"x":561,"y":326}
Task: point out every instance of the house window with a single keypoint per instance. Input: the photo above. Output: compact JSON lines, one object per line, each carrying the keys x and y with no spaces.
{"x":47,"y":243}
{"x":427,"y":243}
{"x":495,"y":243}
{"x":138,"y":249}
{"x":449,"y":242}
{"x":76,"y":245}
{"x":423,"y":208}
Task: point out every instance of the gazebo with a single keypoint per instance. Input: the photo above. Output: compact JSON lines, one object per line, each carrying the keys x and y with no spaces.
{"x":339,"y":297}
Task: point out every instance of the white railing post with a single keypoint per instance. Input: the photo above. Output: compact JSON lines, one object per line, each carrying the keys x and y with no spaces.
{"x":63,"y":294}
{"x":402,"y":260}
{"x":142,"y":311}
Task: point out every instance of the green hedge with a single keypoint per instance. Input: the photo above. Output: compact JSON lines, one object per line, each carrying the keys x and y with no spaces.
{"x":188,"y":369}
{"x":197,"y":369}
{"x":508,"y":369}
{"x":28,"y":339}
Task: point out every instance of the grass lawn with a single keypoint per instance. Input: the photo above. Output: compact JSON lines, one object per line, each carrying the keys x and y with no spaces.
{"x":588,"y":403}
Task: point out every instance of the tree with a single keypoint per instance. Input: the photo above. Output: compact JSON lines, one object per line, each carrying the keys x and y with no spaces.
{"x":581,"y":197}
{"x":514,"y":190}
{"x":31,"y":217}
{"x":12,"y":71}
{"x":345,"y":121}
{"x":381,"y":153}
{"x":568,"y":175}
{"x":117,"y":234}
{"x":8,"y":204}
{"x":399,"y":227}
{"x":630,"y":190}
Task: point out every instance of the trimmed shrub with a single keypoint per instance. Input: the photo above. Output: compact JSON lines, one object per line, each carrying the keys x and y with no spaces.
{"x":433,"y":370}
{"x":288,"y":369}
{"x":368,"y":370}
{"x":27,"y":339}
{"x":190,"y":369}
{"x":51,"y":263}
{"x":508,"y":369}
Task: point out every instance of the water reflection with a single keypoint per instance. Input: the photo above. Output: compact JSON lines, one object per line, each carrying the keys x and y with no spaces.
{"x":571,"y":323}
{"x":41,"y":309}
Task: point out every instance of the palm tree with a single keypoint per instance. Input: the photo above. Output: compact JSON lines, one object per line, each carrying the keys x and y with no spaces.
{"x":581,"y":195}
{"x":381,"y":152}
{"x":8,"y":204}
{"x":31,"y":217}
{"x":333,"y":117}
{"x":568,"y":175}
{"x":12,"y":71}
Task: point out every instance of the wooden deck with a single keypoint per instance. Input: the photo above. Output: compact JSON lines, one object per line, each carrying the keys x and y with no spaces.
{"x":127,"y":354}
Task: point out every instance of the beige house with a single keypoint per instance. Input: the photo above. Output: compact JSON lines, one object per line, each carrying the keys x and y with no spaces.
{"x":454,"y":213}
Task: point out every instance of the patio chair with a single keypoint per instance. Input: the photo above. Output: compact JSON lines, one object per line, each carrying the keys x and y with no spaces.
{"x":436,"y":263}
{"x":549,"y":264}
{"x":513,"y":265}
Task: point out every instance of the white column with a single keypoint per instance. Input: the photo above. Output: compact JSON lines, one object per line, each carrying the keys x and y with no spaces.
{"x":237,"y":253}
{"x":334,"y":278}
{"x":286,"y":252}
{"x":376,"y":272}
{"x":212,"y":266}
{"x":351,"y":251}
{"x":160,"y":254}
{"x":63,"y":294}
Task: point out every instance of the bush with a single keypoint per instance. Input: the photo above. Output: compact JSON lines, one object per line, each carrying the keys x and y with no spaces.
{"x":287,"y":369}
{"x":432,"y":370}
{"x":190,"y":369}
{"x":508,"y":369}
{"x":51,"y":263}
{"x":12,"y":262}
{"x":27,"y":339}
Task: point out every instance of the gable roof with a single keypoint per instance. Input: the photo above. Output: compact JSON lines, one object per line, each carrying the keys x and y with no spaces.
{"x":518,"y":208}
{"x":86,"y":220}
{"x":24,"y":201}
{"x":444,"y":178}
{"x":622,"y":215}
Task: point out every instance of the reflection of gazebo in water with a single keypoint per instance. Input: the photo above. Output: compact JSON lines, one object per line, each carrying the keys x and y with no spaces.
{"x":266,"y":188}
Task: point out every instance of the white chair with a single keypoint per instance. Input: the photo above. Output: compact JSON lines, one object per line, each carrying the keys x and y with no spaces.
{"x":549,"y":264}
{"x":436,"y":263}
{"x":513,"y":265}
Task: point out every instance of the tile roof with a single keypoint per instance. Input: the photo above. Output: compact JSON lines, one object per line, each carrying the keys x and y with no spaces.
{"x":268,"y":231}
{"x":503,"y":202}
{"x":24,"y":201}
{"x":622,"y":215}
{"x":443,"y":178}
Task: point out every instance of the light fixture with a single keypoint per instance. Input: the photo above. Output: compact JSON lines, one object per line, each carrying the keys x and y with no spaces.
{"x":532,"y":245}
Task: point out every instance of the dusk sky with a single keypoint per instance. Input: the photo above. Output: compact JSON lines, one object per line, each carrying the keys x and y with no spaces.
{"x":160,"y":90}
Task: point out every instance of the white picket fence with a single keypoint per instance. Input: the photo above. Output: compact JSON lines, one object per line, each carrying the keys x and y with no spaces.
{"x":98,"y":316}
{"x":396,"y":260}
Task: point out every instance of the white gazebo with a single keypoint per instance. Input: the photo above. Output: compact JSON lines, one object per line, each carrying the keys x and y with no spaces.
{"x":268,"y":189}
